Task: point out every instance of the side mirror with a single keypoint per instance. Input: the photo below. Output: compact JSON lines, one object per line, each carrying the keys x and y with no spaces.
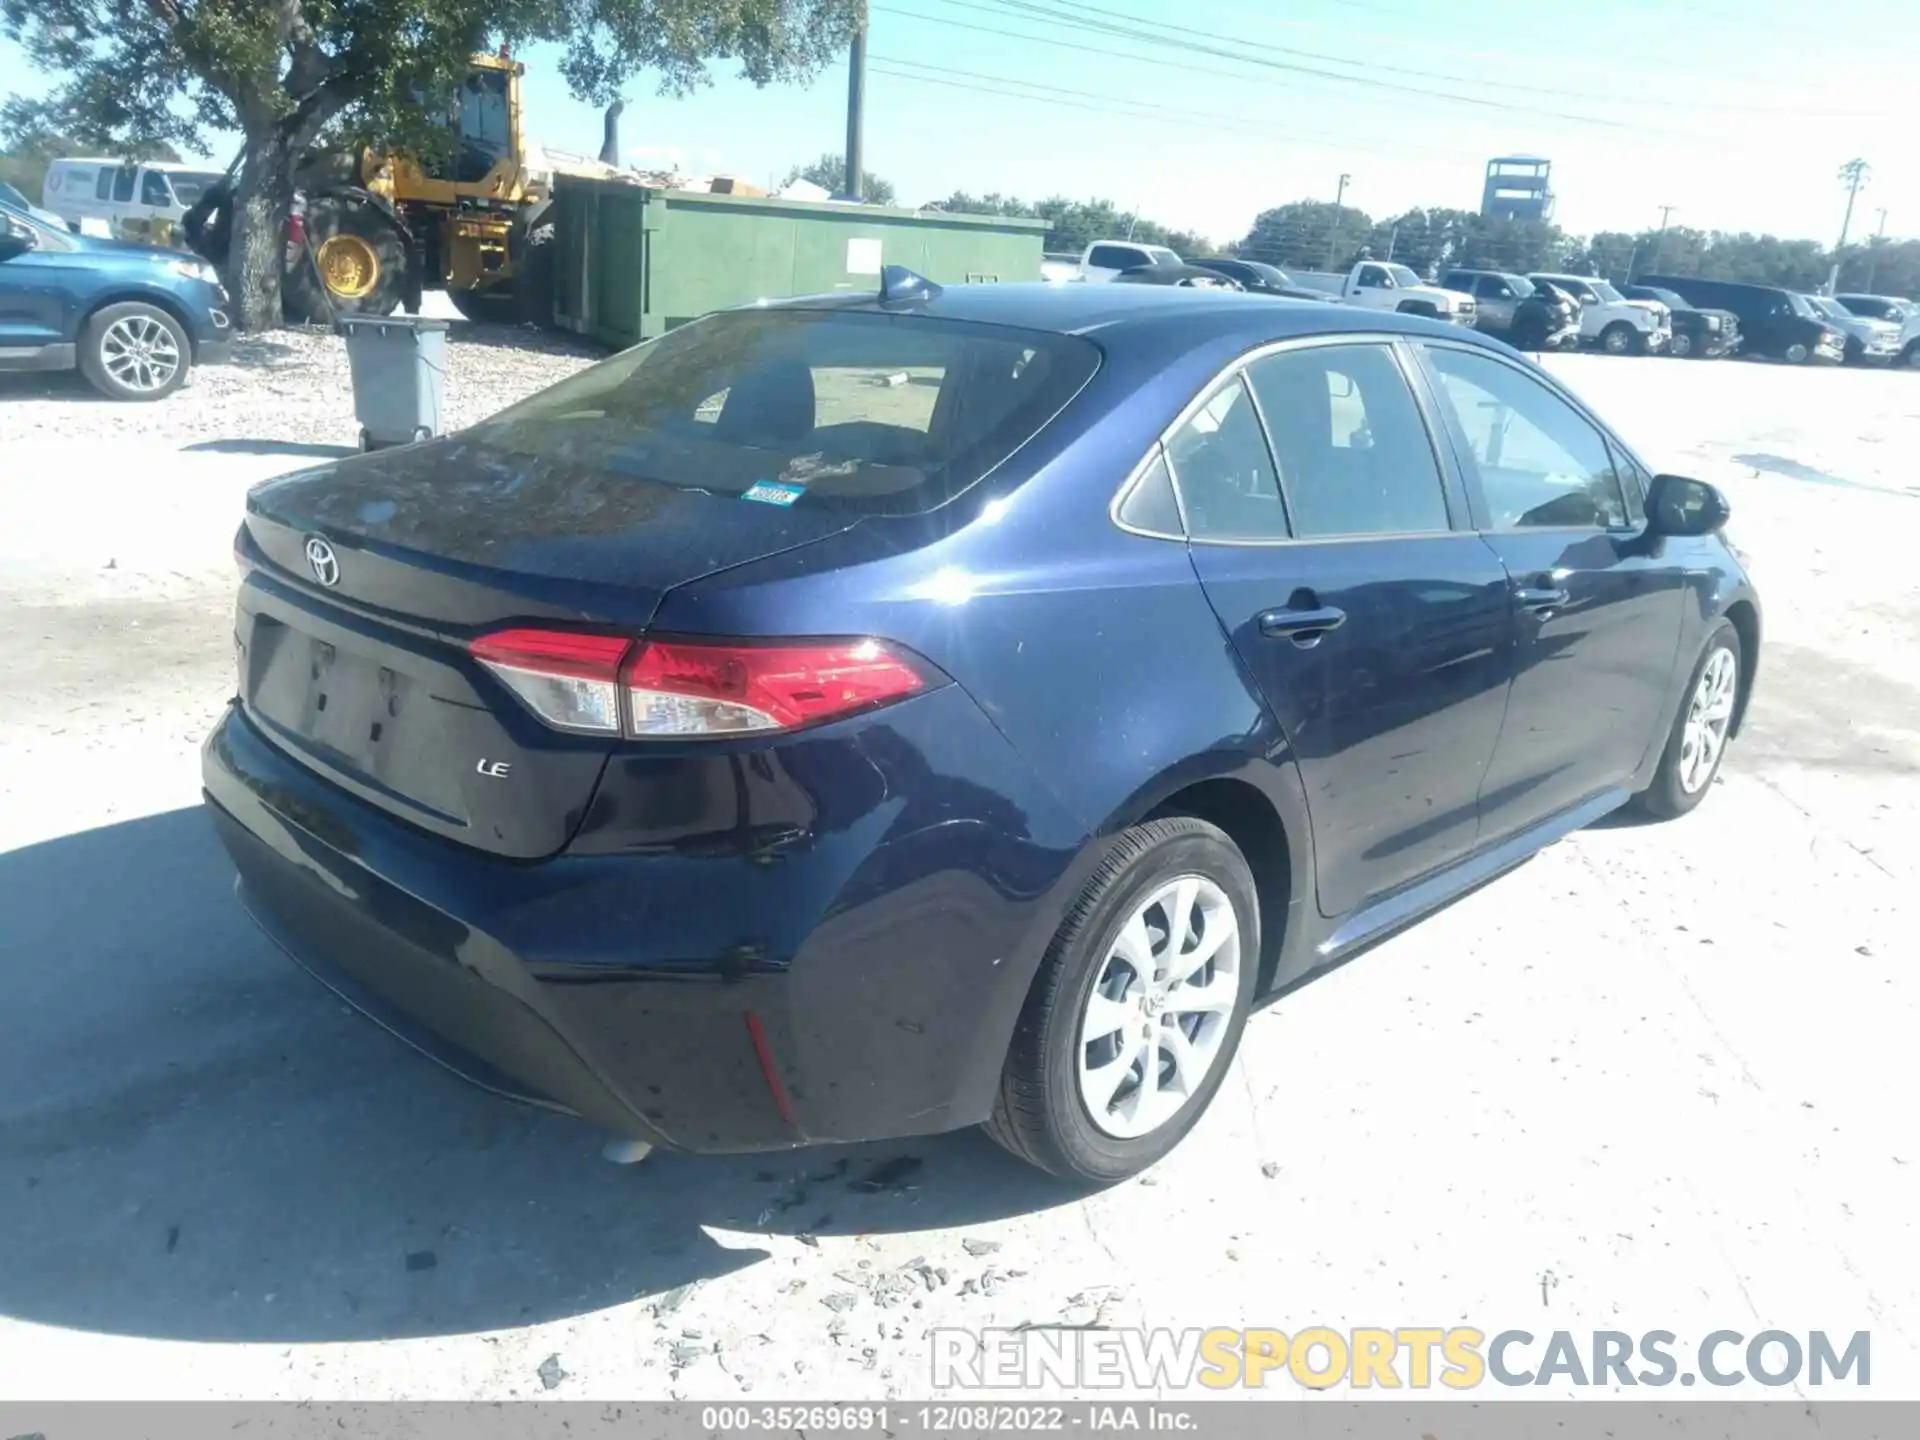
{"x":1679,"y":506}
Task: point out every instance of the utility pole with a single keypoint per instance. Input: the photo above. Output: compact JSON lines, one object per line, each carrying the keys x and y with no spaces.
{"x":1333,"y":230}
{"x":1665,"y":211}
{"x":1854,"y":173}
{"x":1873,"y":250}
{"x":856,"y":108}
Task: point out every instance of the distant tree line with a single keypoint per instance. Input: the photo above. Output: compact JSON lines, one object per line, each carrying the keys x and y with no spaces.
{"x":1314,"y":234}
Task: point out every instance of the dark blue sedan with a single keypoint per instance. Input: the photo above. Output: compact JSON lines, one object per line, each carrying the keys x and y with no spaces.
{"x":865,"y":717}
{"x":133,"y":319}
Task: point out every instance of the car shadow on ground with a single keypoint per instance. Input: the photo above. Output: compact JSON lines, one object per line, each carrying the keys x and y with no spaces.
{"x":198,"y":1142}
{"x":269,"y":447}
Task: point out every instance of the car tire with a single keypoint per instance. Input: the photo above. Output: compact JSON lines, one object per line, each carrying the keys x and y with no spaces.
{"x":1618,"y":338}
{"x":1910,"y":357}
{"x":1060,"y":1065}
{"x":1708,"y":709}
{"x":134,"y":351}
{"x":1796,"y":354}
{"x":1418,"y":307}
{"x":1681,"y":346}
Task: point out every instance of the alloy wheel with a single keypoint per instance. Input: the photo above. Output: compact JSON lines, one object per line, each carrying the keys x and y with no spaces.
{"x":140,"y":353}
{"x":1709,"y":714}
{"x":1157,"y":1014}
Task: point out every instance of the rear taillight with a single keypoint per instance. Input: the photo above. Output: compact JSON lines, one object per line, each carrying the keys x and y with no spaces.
{"x":570,"y":681}
{"x":679,"y":689}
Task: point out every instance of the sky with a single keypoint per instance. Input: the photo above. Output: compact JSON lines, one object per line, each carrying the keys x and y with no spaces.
{"x":1736,"y":113}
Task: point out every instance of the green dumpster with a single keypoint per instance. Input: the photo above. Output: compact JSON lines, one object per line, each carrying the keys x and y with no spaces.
{"x":631,"y":262}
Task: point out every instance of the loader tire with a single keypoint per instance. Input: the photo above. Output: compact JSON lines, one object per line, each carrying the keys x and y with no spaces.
{"x":354,"y":262}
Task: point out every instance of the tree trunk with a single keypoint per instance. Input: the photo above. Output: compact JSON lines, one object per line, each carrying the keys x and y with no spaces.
{"x":263,"y":196}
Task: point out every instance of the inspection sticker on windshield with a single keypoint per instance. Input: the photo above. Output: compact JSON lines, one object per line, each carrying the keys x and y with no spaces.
{"x":773,"y":492}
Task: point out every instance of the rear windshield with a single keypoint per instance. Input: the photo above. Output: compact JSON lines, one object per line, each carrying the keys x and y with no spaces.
{"x":818,"y":409}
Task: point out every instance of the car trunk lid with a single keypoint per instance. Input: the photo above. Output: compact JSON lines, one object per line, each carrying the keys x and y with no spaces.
{"x":370,"y":579}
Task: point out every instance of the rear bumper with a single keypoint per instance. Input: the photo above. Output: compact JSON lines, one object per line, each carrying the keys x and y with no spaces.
{"x":594,"y":983}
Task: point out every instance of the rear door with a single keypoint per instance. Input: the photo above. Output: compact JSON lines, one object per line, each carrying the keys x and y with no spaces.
{"x":1496,"y":302}
{"x":1596,"y":607}
{"x":1340,"y":561}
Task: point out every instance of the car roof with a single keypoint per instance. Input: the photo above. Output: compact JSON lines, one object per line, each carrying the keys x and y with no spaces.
{"x":117,"y":161}
{"x":1117,"y":312}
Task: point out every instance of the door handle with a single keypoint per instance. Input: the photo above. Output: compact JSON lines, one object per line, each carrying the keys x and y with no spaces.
{"x":1304,"y":627}
{"x":1539,"y":598}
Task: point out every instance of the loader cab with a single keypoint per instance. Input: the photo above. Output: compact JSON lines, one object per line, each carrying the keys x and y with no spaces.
{"x":482,"y":158}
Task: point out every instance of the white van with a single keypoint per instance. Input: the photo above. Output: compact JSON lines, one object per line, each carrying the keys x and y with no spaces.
{"x":124,"y":200}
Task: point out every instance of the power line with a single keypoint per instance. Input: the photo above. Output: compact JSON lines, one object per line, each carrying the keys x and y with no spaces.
{"x":1240,"y":122}
{"x":1127,"y":29}
{"x":1138,"y":109}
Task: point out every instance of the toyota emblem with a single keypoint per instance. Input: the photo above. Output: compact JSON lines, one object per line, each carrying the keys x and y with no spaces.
{"x":324,"y":563}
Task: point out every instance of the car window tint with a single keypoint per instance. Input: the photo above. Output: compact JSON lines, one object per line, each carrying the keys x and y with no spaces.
{"x":863,"y":413}
{"x":1354,"y":454}
{"x":1225,"y":473}
{"x":1373,"y":276}
{"x":1540,"y":462}
{"x":1115,"y":257}
{"x":103,"y":185}
{"x":153,"y":189}
{"x":123,"y":184}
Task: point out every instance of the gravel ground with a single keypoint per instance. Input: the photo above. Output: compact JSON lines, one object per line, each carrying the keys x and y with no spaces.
{"x":1660,"y":1077}
{"x":288,"y":386}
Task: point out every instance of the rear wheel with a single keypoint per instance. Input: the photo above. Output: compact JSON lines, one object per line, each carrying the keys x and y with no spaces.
{"x":1698,"y":742}
{"x":134,"y":351}
{"x":533,"y":278}
{"x":353,"y":263}
{"x":1137,"y":1008}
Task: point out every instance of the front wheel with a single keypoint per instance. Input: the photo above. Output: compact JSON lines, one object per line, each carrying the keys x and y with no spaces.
{"x":1698,"y":742}
{"x":134,"y":351}
{"x":354,"y":262}
{"x":1682,"y":345}
{"x":1618,"y":338}
{"x":1137,"y":1008}
{"x":1910,"y":357}
{"x":1797,"y":354}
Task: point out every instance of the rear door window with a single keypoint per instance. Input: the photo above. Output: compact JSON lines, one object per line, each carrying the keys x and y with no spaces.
{"x":1355,"y":457}
{"x":1225,"y":472}
{"x":1116,"y":257}
{"x":862,"y":412}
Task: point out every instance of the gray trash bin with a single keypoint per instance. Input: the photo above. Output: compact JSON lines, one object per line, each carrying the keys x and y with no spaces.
{"x":399,"y":365}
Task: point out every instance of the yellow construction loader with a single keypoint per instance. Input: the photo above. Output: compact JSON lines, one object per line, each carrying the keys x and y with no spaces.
{"x":372,"y":230}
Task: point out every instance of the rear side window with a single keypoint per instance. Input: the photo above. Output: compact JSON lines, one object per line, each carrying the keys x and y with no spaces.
{"x":861,"y":412}
{"x":103,"y":185}
{"x":1225,"y":473}
{"x":1540,"y":463}
{"x":123,"y":184}
{"x":1355,"y":457}
{"x":1116,"y":257}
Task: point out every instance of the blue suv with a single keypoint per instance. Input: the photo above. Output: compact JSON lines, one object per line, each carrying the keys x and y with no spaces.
{"x":134,"y":319}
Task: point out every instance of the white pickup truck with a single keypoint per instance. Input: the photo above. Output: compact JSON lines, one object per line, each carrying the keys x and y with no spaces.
{"x":1383,"y":285}
{"x":1104,"y":259}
